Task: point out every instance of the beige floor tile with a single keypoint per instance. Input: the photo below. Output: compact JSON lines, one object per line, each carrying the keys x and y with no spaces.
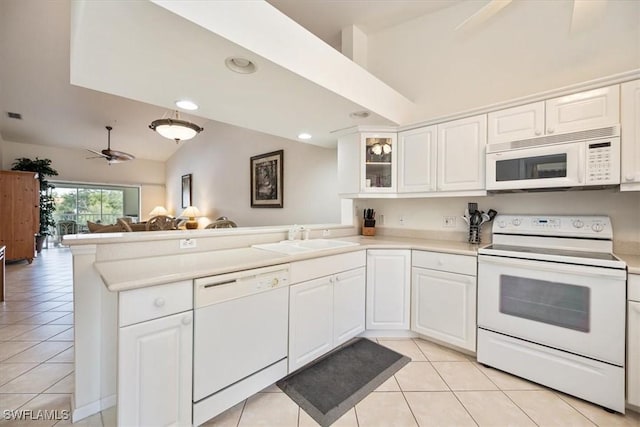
{"x":65,"y":385}
{"x":17,"y":306}
{"x":438,"y":353}
{"x":269,"y":409}
{"x":92,"y":421}
{"x":389,"y":385}
{"x":11,"y":402}
{"x":66,"y":356}
{"x":228,"y":418}
{"x":420,"y":376}
{"x":110,"y":417}
{"x":347,"y":420}
{"x":9,"y":371}
{"x":493,"y":409}
{"x":271,"y":389}
{"x":46,"y":306}
{"x":10,"y":348}
{"x":384,"y":410}
{"x":63,"y":336}
{"x":40,"y":352}
{"x":65,"y":297}
{"x":9,"y":331}
{"x":67,"y":306}
{"x":506,"y":381}
{"x":57,"y":407}
{"x":547,"y":409}
{"x":463,"y":376}
{"x":38,"y":379}
{"x":41,"y":333}
{"x":404,"y":346}
{"x":64,"y":320}
{"x":438,"y":409}
{"x":42,"y":318}
{"x":599,"y":416}
{"x":10,"y":317}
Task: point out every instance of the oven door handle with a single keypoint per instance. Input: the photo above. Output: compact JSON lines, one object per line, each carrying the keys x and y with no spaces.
{"x":554,"y":267}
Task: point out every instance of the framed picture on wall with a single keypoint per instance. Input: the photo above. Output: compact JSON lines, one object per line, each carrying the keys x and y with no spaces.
{"x":267,"y":181}
{"x":186,"y":190}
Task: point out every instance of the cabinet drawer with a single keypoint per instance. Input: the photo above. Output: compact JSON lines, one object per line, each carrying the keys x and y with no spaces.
{"x":143,"y":304}
{"x":462,"y":264}
{"x":325,"y":266}
{"x":633,"y":287}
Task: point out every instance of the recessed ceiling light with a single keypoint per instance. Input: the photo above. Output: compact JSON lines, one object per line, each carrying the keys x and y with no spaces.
{"x":304,"y":136}
{"x":359,"y":114}
{"x":185,"y":104}
{"x":240,"y":65}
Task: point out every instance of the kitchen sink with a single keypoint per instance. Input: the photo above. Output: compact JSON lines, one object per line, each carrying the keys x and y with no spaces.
{"x":292,"y":247}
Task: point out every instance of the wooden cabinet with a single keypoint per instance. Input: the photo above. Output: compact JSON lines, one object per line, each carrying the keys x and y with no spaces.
{"x":461,"y":154}
{"x":633,"y":340}
{"x":388,"y":289}
{"x":155,"y":372}
{"x":19,"y":213}
{"x":584,"y":110}
{"x":513,"y":124}
{"x":417,"y":160}
{"x":443,"y":297}
{"x":630,"y":136}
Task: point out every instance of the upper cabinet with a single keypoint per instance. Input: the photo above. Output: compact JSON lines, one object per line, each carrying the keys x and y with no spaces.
{"x":417,"y":160}
{"x":461,"y":154}
{"x":579,"y":111}
{"x":630,"y":137}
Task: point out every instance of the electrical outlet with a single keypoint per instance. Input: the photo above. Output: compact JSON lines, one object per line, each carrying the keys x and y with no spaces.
{"x":449,"y":221}
{"x":187,"y":243}
{"x":326,"y":233}
{"x":380,"y":219}
{"x":401,"y":220}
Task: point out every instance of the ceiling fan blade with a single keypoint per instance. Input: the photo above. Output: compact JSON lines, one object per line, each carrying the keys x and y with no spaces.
{"x":98,"y":153}
{"x":482,"y":15}
{"x":119,"y":155}
{"x":585,"y":13}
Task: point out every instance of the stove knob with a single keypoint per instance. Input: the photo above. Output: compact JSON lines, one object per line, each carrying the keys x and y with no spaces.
{"x":502,"y":223}
{"x":515,"y":222}
{"x":578,"y":224}
{"x":597,"y":227}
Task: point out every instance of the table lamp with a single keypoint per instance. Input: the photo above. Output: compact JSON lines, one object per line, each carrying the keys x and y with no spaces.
{"x":191,"y":213}
{"x":158,"y":210}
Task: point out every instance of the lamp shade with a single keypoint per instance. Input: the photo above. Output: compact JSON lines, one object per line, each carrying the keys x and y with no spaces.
{"x":191,"y":212}
{"x":158,"y":210}
{"x":175,"y":128}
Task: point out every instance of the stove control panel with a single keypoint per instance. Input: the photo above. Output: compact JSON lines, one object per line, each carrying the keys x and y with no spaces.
{"x":589,"y":226}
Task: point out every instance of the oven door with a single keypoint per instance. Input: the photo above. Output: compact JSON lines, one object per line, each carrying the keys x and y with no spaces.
{"x":539,"y":167}
{"x":575,"y":308}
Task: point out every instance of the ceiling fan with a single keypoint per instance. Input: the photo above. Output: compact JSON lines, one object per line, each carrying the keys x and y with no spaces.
{"x":584,"y":13}
{"x":112,"y":156}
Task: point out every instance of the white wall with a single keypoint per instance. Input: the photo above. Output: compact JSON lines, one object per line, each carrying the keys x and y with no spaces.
{"x":73,"y":165}
{"x":525,"y":49}
{"x":427,"y":214}
{"x":218,"y":159}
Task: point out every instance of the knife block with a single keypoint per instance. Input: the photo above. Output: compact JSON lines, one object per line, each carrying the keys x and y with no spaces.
{"x":368,"y":231}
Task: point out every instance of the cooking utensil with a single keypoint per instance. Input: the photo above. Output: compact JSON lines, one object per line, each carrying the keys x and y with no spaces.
{"x":492,"y":214}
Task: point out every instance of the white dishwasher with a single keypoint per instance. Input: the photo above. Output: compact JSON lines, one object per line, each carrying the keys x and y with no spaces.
{"x":240,"y":336}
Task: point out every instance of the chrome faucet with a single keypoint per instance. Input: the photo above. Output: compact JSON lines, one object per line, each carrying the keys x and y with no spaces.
{"x":293,"y":231}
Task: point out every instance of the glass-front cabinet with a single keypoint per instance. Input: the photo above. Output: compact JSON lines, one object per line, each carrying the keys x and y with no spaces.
{"x":379,"y":155}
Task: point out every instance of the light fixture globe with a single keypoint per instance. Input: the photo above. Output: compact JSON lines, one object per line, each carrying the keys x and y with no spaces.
{"x":176,"y":129}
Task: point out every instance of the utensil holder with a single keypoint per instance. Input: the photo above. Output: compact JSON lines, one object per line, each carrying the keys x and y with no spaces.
{"x":368,"y":231}
{"x":474,"y":233}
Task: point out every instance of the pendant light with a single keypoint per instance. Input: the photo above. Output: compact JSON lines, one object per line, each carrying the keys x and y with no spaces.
{"x":175,"y":128}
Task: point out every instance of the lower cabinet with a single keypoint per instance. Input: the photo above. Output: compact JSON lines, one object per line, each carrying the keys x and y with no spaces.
{"x":633,"y":340}
{"x":155,"y":372}
{"x":388,"y":288}
{"x":324,"y":313}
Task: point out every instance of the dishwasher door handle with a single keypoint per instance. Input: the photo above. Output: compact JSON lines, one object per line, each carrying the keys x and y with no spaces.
{"x":211,"y":285}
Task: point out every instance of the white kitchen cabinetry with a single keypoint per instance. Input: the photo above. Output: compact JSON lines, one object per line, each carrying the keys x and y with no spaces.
{"x":444,"y":298}
{"x":633,"y":340}
{"x":325,"y":311}
{"x":461,"y":154}
{"x":417,"y":160}
{"x":576,"y":112}
{"x":388,"y":289}
{"x":584,"y":110}
{"x":630,"y":137}
{"x":155,"y":356}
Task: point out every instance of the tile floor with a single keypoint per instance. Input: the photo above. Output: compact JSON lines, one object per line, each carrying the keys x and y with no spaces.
{"x":439,"y":387}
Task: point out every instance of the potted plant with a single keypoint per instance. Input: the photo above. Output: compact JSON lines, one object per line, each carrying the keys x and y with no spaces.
{"x":47,"y":205}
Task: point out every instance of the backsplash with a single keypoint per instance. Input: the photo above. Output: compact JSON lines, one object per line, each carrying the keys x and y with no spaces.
{"x":425,"y":217}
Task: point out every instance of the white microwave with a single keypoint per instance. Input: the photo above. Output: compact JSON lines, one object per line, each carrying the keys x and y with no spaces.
{"x":558,"y":161}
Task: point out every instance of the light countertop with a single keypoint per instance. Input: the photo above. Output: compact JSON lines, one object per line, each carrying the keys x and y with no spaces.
{"x":633,"y":262}
{"x":129,"y":274}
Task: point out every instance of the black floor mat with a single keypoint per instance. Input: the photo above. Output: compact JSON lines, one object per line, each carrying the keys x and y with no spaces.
{"x":329,"y":387}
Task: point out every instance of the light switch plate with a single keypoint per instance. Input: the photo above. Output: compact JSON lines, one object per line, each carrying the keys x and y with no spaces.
{"x":187,"y":243}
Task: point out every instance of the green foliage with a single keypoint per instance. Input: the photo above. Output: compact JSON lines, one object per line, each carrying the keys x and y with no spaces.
{"x":47,"y":204}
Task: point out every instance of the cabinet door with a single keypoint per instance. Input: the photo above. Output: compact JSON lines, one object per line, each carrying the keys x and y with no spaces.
{"x":349,"y":164}
{"x":630,"y":138}
{"x":444,"y":307}
{"x":19,"y":213}
{"x":310,"y":321}
{"x":633,"y":353}
{"x":417,"y":160}
{"x":348,"y":305}
{"x":378,"y":171}
{"x":585,"y":110}
{"x":155,"y":372}
{"x":388,"y":281}
{"x":513,"y":124}
{"x":461,"y":154}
